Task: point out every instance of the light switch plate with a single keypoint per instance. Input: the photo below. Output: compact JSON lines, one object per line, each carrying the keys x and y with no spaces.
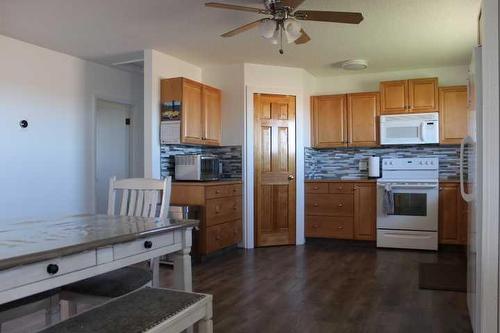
{"x":363,"y":165}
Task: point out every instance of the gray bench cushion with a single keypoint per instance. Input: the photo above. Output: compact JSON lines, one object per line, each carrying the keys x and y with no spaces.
{"x":133,"y":313}
{"x":112,"y":284}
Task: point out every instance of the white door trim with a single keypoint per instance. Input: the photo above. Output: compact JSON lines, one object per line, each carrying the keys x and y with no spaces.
{"x":489,"y":292}
{"x":93,"y":139}
{"x":248,"y":161}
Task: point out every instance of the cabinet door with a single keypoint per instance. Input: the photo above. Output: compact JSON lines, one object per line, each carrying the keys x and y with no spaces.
{"x":453,"y":114}
{"x":394,"y":97}
{"x":211,"y":115}
{"x":329,"y":121}
{"x":449,"y":214}
{"x":365,"y":211}
{"x":363,"y":111}
{"x":423,"y":95}
{"x":192,"y":116}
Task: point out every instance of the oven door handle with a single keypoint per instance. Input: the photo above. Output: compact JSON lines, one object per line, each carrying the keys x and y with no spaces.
{"x":410,"y":186}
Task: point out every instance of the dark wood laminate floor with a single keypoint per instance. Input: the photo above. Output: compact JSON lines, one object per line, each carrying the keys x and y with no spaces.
{"x":327,"y":287}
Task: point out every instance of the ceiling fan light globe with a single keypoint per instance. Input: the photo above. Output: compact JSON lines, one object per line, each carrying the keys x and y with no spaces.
{"x":292,"y":30}
{"x":267,"y":28}
{"x":275,"y":39}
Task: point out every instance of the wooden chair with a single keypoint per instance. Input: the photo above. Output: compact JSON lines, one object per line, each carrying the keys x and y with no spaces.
{"x":152,"y":310}
{"x":139,"y":197}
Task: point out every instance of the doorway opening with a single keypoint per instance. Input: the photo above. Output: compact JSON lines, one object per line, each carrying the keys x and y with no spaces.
{"x":113,"y":147}
{"x":274,"y":170}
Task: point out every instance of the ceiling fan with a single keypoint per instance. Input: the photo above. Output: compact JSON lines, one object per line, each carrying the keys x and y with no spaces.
{"x":284,"y":18}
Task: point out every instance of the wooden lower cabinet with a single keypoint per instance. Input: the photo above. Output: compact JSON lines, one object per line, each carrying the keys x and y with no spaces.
{"x":453,"y":215}
{"x":344,"y":210}
{"x":221,"y":213}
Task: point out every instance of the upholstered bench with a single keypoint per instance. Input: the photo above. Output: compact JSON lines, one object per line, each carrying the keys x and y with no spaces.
{"x":144,"y":310}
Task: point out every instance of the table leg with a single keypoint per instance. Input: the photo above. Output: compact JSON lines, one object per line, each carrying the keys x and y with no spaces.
{"x":155,"y":268}
{"x":182,"y":270}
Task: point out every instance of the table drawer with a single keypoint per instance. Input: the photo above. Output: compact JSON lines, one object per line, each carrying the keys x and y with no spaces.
{"x":22,"y":275}
{"x":316,"y":187}
{"x":330,"y":204}
{"x":223,"y":210}
{"x":142,"y":245}
{"x":341,"y":187}
{"x":223,"y":235}
{"x":329,"y":227}
{"x":221,"y":191}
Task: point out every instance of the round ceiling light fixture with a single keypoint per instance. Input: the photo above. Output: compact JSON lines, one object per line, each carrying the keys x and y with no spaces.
{"x":355,"y":65}
{"x":268,"y":28}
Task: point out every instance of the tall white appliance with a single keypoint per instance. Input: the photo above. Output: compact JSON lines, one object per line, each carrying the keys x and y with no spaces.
{"x":471,"y":185}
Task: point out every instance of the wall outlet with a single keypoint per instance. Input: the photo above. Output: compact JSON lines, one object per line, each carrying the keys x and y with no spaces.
{"x":363,"y":165}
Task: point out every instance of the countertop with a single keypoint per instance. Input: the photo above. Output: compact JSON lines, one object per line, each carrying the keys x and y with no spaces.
{"x":209,"y":183}
{"x":364,"y":180}
{"x":26,"y":242}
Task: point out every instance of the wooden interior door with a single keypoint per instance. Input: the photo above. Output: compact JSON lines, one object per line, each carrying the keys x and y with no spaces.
{"x":363,"y":111}
{"x":274,"y":165}
{"x":211,"y":115}
{"x":423,"y":95}
{"x":329,"y":121}
{"x":453,"y":114}
{"x":394,"y":97}
{"x":192,"y":116}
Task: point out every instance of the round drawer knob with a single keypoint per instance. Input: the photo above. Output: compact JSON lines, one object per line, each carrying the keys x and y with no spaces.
{"x":217,"y":237}
{"x":315,"y":226}
{"x":315,"y":188}
{"x":148,"y":244}
{"x":339,"y":188}
{"x":52,"y":269}
{"x":217,"y":192}
{"x":315,"y":204}
{"x":340,"y":227}
{"x":340,"y":204}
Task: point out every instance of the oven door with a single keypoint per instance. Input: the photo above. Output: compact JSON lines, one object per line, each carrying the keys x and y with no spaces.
{"x":415,"y":207}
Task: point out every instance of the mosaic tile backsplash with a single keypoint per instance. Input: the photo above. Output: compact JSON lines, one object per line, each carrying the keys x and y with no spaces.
{"x":231,"y":157}
{"x":339,"y":162}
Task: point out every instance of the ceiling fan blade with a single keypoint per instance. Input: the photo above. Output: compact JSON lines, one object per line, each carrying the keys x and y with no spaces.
{"x":242,"y":28}
{"x":236,"y":7}
{"x":304,"y":38}
{"x":293,"y":4}
{"x":325,"y":16}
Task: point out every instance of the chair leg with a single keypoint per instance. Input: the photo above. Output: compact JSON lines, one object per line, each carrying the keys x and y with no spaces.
{"x":155,"y":267}
{"x":205,"y":326}
{"x":53,"y":312}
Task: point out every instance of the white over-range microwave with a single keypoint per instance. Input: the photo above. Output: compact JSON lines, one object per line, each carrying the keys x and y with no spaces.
{"x":418,"y":128}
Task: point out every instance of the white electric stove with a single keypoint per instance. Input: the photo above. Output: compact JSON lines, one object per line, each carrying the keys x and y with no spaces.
{"x":411,"y":222}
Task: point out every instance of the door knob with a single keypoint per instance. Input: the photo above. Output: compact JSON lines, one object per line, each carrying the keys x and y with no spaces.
{"x":291,"y":177}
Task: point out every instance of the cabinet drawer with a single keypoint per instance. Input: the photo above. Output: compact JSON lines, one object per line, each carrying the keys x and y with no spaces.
{"x":142,"y":245}
{"x":223,"y":210}
{"x":316,"y":187}
{"x":341,"y":187}
{"x":223,"y":235}
{"x":221,"y":191}
{"x":329,"y":227}
{"x":22,"y":275}
{"x":330,"y":204}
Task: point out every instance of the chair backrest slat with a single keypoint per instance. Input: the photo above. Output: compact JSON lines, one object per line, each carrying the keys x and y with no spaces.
{"x":140,"y":197}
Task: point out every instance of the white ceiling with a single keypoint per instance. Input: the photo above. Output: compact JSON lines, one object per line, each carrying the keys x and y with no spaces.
{"x":395,"y":35}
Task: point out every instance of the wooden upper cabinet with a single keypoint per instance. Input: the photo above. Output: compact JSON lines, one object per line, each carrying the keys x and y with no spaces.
{"x":423,"y":95}
{"x":409,"y":96}
{"x":394,"y":97}
{"x":200,"y":110}
{"x":363,"y":111}
{"x":453,"y":114}
{"x":212,"y":115}
{"x":192,"y":116}
{"x":329,"y":121}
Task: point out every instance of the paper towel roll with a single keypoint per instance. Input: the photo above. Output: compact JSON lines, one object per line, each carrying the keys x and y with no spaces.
{"x":374,"y":166}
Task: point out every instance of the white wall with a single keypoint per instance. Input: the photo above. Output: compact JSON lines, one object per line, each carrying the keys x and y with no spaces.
{"x":448,"y":76}
{"x":159,"y":66}
{"x":230,"y":79}
{"x":47,"y":169}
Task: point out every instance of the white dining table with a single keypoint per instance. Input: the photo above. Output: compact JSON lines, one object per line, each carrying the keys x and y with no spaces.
{"x":40,"y":255}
